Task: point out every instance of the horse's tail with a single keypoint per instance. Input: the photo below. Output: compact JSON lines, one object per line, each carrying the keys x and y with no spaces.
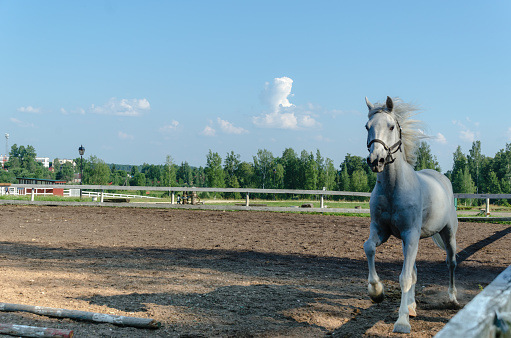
{"x":438,"y":241}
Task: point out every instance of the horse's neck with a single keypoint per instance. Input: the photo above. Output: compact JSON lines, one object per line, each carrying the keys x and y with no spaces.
{"x":396,"y":174}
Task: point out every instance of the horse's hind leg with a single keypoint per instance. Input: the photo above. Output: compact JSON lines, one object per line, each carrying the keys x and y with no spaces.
{"x":449,"y":237}
{"x":375,"y":287}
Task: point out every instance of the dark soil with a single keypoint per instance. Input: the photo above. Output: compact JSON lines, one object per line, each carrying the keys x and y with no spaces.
{"x":229,"y":274}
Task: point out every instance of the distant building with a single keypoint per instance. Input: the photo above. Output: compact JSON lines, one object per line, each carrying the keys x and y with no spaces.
{"x":4,"y":159}
{"x":42,"y":191}
{"x":44,"y":160}
{"x":61,"y":162}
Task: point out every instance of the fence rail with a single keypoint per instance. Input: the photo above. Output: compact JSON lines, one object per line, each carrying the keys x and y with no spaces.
{"x":236,"y":190}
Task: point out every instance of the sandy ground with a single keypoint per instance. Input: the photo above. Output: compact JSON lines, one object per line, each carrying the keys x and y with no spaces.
{"x":229,"y":274}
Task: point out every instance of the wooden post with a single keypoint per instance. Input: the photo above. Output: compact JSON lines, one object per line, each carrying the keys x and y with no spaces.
{"x":487,"y":207}
{"x":321,"y":200}
{"x":172,"y":197}
{"x":34,"y":331}
{"x":32,"y":194}
{"x":102,"y":191}
{"x":247,"y":201}
{"x":143,"y":323}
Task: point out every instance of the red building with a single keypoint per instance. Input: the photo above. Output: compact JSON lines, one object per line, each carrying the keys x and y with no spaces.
{"x":42,"y":191}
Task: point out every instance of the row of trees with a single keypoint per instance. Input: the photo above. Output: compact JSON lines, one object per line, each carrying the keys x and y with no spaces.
{"x":471,"y":173}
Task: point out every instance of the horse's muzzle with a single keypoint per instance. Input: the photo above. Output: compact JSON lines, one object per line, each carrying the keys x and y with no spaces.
{"x":377,"y":164}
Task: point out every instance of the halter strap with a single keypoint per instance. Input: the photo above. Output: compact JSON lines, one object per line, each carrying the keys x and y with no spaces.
{"x":390,"y":150}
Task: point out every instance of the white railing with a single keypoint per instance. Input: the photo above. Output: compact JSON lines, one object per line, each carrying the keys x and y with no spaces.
{"x":104,"y":194}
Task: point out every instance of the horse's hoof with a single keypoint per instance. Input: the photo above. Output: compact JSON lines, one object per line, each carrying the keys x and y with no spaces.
{"x":402,"y":328}
{"x":376,"y":292}
{"x":378,"y":298}
{"x":412,"y":310}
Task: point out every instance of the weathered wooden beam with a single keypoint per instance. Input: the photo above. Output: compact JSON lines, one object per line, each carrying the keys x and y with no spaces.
{"x":479,"y":318}
{"x":34,"y":331}
{"x":143,"y":323}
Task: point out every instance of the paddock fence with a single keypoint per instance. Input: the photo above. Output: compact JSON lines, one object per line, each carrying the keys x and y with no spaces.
{"x":98,"y":193}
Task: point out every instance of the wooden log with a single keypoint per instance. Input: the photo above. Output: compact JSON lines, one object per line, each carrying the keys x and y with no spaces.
{"x":34,"y":331}
{"x":485,"y":314}
{"x":142,"y":323}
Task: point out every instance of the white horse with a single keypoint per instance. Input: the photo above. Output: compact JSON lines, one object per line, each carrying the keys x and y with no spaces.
{"x":407,"y":204}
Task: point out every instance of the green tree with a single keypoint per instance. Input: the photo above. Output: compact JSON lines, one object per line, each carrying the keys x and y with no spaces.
{"x":425,"y":159}
{"x":66,"y":172}
{"x":474,"y":161}
{"x":246,"y":175}
{"x":138,"y":180}
{"x":231,"y":168}
{"x":344,"y":179}
{"x":463,"y":183}
{"x":263,"y":167}
{"x":291,"y":166}
{"x":214,"y":171}
{"x":310,"y":171}
{"x":95,"y":171}
{"x":358,"y":181}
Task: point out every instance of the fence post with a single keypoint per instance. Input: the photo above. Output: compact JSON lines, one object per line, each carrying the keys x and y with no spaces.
{"x":32,"y":195}
{"x":246,"y":201}
{"x":172,"y":197}
{"x":102,"y":192}
{"x":487,"y":207}
{"x":321,"y":200}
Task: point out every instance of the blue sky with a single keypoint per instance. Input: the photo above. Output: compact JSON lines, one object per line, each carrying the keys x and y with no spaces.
{"x":135,"y":81}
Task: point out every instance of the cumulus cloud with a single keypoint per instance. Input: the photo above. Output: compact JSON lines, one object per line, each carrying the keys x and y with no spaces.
{"x":228,"y":128}
{"x":122,"y":107}
{"x":208,"y":131}
{"x":169,"y":128}
{"x":29,"y":109}
{"x":276,"y":94}
{"x":124,"y":136}
{"x":282,"y":113}
{"x":466,"y":133}
{"x":440,"y":138}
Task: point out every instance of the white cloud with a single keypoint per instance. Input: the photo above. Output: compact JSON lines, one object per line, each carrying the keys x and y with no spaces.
{"x":122,"y":107}
{"x":124,"y":136}
{"x":208,"y":131}
{"x":308,"y":121}
{"x":467,"y":135}
{"x":276,"y":94}
{"x":283,"y":114}
{"x":169,"y":128}
{"x":440,"y":138}
{"x":21,"y":123}
{"x":29,"y":109}
{"x":228,"y":128}
{"x":276,"y":120}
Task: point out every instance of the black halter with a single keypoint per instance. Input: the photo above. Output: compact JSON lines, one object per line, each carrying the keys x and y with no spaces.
{"x":392,"y":149}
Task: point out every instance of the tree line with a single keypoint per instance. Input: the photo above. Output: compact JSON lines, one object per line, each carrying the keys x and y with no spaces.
{"x":471,"y":173}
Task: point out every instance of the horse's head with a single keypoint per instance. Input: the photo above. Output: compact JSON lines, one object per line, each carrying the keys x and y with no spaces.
{"x":383,"y":135}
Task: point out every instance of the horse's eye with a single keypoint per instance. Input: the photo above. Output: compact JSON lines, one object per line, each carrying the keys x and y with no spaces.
{"x":391,"y":128}
{"x":367,"y":128}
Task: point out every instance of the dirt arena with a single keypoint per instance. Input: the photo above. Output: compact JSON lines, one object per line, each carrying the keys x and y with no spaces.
{"x":229,"y":274}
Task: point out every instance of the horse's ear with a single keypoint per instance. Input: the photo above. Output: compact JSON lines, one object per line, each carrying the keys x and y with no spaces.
{"x":389,"y":104}
{"x":369,"y":104}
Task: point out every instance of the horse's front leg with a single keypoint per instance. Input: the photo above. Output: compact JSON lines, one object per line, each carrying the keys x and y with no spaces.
{"x":407,"y":280}
{"x":376,"y":237}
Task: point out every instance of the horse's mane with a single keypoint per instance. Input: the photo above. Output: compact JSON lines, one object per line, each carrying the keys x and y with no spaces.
{"x":411,"y":131}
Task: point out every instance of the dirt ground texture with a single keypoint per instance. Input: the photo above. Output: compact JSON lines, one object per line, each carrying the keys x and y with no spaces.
{"x":224,"y":273}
